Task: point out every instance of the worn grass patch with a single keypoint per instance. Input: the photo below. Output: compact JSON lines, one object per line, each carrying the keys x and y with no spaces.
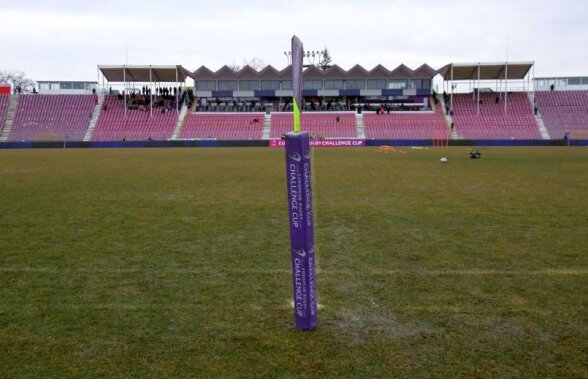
{"x":175,"y":262}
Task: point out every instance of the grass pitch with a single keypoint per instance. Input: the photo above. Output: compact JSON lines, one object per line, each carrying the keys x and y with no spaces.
{"x":175,"y":263}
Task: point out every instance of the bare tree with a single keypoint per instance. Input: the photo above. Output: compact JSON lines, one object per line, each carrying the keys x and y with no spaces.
{"x":255,"y":63}
{"x":234,"y":66}
{"x":18,"y":80}
{"x":325,"y":59}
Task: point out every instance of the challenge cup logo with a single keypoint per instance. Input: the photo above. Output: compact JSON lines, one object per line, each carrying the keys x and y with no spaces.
{"x":300,"y":252}
{"x":307,"y":154}
{"x":295,"y":156}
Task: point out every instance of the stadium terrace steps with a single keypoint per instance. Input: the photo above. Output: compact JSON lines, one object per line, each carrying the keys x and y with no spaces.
{"x":440,"y":109}
{"x":7,"y":109}
{"x":180,"y":123}
{"x":137,"y":125}
{"x":322,"y":124}
{"x":541,"y":126}
{"x":563,"y":111}
{"x":405,"y":125}
{"x":223,"y":126}
{"x":51,"y":118}
{"x":360,"y":126}
{"x":94,"y":120}
{"x":492,"y":123}
{"x":267,"y":125}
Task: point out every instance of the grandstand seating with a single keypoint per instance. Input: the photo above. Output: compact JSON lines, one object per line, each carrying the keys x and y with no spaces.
{"x":4,"y":101}
{"x":317,"y":123}
{"x":223,"y":126}
{"x":138,"y":125}
{"x":563,"y":111}
{"x":51,"y":118}
{"x":492,"y":123}
{"x":405,"y":125}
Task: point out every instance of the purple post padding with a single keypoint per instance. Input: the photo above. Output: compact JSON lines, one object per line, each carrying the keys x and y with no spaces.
{"x":301,"y":229}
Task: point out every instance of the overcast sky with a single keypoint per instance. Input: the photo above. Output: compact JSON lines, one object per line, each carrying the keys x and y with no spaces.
{"x":66,"y":39}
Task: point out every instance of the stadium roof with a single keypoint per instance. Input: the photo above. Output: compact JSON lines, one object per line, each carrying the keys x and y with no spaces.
{"x":313,"y":72}
{"x":488,"y":71}
{"x":140,"y":73}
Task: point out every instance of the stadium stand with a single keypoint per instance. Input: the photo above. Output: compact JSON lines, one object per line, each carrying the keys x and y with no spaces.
{"x":492,"y":123}
{"x":563,"y":111}
{"x":223,"y":126}
{"x":405,"y":125}
{"x":4,"y":101}
{"x":51,"y":118}
{"x":319,"y":124}
{"x":138,"y":125}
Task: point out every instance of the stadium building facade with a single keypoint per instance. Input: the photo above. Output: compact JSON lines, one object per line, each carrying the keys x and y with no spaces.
{"x":271,"y":86}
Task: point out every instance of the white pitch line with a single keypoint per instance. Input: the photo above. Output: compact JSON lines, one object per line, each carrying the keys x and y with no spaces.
{"x":377,"y":272}
{"x":109,"y":159}
{"x":21,"y":170}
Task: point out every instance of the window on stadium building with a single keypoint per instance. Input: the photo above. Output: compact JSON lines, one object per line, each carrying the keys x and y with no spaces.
{"x":313,"y":84}
{"x":355,"y":84}
{"x":65,"y":85}
{"x":574,"y":81}
{"x":377,"y":84}
{"x":227,"y":85}
{"x":397,"y":84}
{"x":417,"y":84}
{"x":334,"y":84}
{"x":205,"y":85}
{"x":286,"y":85}
{"x":270,"y":84}
{"x":248,"y":85}
{"x":585,"y":81}
{"x":45,"y":86}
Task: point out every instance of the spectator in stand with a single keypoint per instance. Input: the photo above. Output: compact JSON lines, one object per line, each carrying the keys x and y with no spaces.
{"x":338,"y":119}
{"x":497,"y":100}
{"x":95,"y":98}
{"x":104,"y":105}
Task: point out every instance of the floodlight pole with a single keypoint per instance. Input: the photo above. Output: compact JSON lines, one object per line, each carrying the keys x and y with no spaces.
{"x":150,"y":96}
{"x":451,"y":105}
{"x":533,"y":91}
{"x":506,"y":89}
{"x":124,"y":86}
{"x":478,"y":88}
{"x":177,"y":90}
